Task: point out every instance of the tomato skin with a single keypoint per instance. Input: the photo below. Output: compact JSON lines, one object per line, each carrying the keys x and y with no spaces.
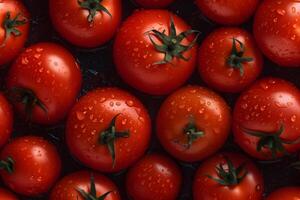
{"x":37,"y":165}
{"x":154,"y":3}
{"x":265,"y":106}
{"x":210,"y":114}
{"x":135,"y":55}
{"x":145,"y":180}
{"x":65,"y":189}
{"x":207,"y":189}
{"x":54,"y":76}
{"x":70,"y":20}
{"x":286,"y":193}
{"x":6,"y":120}
{"x":275,"y":30}
{"x":213,"y":55}
{"x":228,"y":12}
{"x":6,"y":195}
{"x":13,"y":45}
{"x":93,"y":114}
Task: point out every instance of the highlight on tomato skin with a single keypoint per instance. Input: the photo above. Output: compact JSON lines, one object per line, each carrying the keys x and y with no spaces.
{"x":154,"y":3}
{"x":285,"y":193}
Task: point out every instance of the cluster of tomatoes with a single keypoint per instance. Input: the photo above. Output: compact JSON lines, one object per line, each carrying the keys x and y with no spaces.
{"x":108,"y":130}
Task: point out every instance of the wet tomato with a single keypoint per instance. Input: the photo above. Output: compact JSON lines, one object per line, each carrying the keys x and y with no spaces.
{"x":287,"y":193}
{"x":154,"y":3}
{"x":6,"y":195}
{"x":6,"y":120}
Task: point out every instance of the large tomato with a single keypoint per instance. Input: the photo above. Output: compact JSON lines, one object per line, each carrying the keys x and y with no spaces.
{"x":14,"y":29}
{"x":228,"y":176}
{"x":276,"y":30}
{"x":193,"y":123}
{"x":154,"y":177}
{"x":79,"y":185}
{"x":29,"y":165}
{"x":266,"y":119}
{"x":108,"y":129}
{"x":287,"y":193}
{"x":228,"y":12}
{"x":6,"y":120}
{"x":6,"y":195}
{"x":86,"y":23}
{"x":154,"y":3}
{"x":229,"y":60}
{"x":155,"y":51}
{"x":44,"y":82}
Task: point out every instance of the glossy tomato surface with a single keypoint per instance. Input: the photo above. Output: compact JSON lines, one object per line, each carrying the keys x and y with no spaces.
{"x":6,"y":120}
{"x":286,"y":193}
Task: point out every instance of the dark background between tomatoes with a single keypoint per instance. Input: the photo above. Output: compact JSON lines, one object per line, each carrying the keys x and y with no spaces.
{"x":98,"y":70}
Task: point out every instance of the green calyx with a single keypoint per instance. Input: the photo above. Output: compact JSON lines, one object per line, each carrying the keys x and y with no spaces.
{"x":11,"y":25}
{"x":230,"y":176}
{"x":192,"y":133}
{"x":92,"y":195}
{"x":28,"y":98}
{"x":7,"y":165}
{"x":271,"y":141}
{"x":171,"y":44}
{"x":236,"y":58}
{"x":110,"y":135}
{"x":93,"y":6}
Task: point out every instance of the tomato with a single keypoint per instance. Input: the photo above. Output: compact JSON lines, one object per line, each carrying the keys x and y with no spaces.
{"x":6,"y":120}
{"x":228,"y":176}
{"x":265,"y":120}
{"x":44,"y":82}
{"x":29,"y":165}
{"x":6,"y":195}
{"x":76,"y":185}
{"x":229,"y":60}
{"x":155,"y":51}
{"x":108,"y":129}
{"x":154,"y":177}
{"x":228,"y":12}
{"x":154,"y":3}
{"x":14,"y":29}
{"x":287,"y":193}
{"x":276,"y":30}
{"x":86,"y":23}
{"x":193,"y":123}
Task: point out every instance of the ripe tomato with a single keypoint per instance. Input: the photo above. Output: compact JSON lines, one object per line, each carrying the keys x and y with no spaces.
{"x":266,"y":119}
{"x":193,"y":123}
{"x":154,"y":3}
{"x":6,"y":120}
{"x":6,"y":195}
{"x":108,"y":130}
{"x":14,"y":29}
{"x":154,"y":177}
{"x":229,"y":60}
{"x":86,"y":23}
{"x":276,"y":30}
{"x":228,"y":176}
{"x":44,"y":82}
{"x":155,"y":51}
{"x":78,"y":185}
{"x":287,"y":193}
{"x":228,"y":12}
{"x":29,"y":165}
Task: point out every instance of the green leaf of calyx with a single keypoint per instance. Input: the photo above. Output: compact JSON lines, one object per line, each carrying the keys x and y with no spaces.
{"x":192,"y":133}
{"x":7,"y":165}
{"x":93,"y":6}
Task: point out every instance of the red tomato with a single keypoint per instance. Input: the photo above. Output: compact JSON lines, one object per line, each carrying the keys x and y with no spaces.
{"x":86,"y":23}
{"x":149,"y":52}
{"x":154,"y":3}
{"x":229,"y":60}
{"x":193,"y":123}
{"x":29,"y":165}
{"x":108,"y":130}
{"x":14,"y":29}
{"x":6,"y":195}
{"x":154,"y":177}
{"x":76,"y":185}
{"x":44,"y":82}
{"x":6,"y":120}
{"x":228,"y":12}
{"x":276,"y":30}
{"x":266,"y":119}
{"x":228,"y":176}
{"x":287,"y":193}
